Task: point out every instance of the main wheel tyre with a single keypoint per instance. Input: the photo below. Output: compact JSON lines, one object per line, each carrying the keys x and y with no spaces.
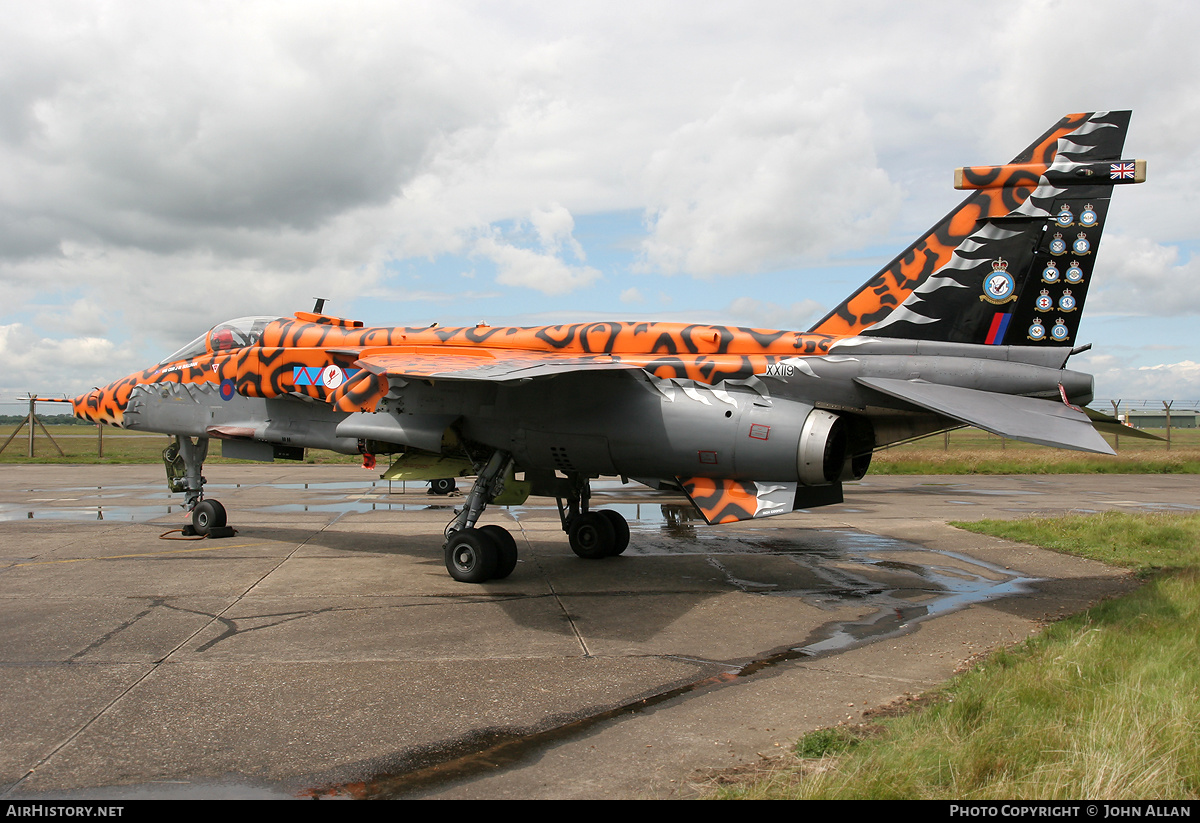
{"x":620,"y":530}
{"x":208,"y":515}
{"x":443,"y":485}
{"x":592,"y":536}
{"x":506,"y":559}
{"x":471,"y":556}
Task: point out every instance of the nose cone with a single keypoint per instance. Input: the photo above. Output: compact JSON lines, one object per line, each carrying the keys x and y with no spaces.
{"x":106,"y":405}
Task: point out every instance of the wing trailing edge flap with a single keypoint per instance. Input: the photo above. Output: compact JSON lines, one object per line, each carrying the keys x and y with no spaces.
{"x":722,"y":500}
{"x":1044,"y":422}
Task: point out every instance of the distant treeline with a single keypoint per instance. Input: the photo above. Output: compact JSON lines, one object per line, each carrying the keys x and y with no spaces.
{"x":48,"y":419}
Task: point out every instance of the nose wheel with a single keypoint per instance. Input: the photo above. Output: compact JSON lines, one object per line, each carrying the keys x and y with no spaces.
{"x":207,"y":516}
{"x":184,"y":461}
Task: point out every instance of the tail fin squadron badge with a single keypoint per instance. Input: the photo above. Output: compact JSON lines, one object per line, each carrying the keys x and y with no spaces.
{"x":999,"y":286}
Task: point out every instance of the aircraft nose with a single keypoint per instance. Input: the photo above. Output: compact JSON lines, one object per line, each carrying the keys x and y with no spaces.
{"x":99,"y":405}
{"x":82,"y":405}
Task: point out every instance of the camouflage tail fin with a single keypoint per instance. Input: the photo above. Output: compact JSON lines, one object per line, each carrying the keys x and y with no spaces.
{"x":1012,"y":264}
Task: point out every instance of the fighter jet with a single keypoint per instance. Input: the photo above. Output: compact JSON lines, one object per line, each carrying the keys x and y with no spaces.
{"x":972,"y":324}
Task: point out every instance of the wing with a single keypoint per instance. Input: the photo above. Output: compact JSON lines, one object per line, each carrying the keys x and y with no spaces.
{"x":476,"y":363}
{"x":378,"y":366}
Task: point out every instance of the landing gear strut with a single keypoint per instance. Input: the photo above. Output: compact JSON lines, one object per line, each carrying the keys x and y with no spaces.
{"x":487,"y":553}
{"x":184,"y":460}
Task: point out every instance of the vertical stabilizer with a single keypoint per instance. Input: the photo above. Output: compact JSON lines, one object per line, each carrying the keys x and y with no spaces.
{"x":1012,"y":264}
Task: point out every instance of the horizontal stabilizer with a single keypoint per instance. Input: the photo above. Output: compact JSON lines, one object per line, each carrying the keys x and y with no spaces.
{"x":1110,"y":425}
{"x":1045,"y":422}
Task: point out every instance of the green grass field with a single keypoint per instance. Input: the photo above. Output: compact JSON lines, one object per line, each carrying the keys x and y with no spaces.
{"x":972,"y":451}
{"x":1104,"y":705}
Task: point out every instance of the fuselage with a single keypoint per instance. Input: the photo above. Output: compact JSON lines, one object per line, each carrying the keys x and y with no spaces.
{"x":635,"y":399}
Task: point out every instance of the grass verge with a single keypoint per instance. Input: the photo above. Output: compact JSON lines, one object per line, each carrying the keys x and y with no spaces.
{"x":1103,"y":705}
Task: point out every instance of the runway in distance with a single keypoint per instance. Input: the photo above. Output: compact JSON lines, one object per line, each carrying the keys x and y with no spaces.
{"x":972,"y":324}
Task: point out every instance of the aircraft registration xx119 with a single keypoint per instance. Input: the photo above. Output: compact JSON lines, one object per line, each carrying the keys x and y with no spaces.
{"x":972,"y":324}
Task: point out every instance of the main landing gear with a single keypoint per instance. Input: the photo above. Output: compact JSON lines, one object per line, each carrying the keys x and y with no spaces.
{"x":476,"y":555}
{"x":183,"y":460}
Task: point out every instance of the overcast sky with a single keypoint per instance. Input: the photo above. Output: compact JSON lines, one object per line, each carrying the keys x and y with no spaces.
{"x":166,"y":166}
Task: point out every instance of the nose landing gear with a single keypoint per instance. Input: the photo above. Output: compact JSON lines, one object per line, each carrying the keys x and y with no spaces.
{"x":183,"y":461}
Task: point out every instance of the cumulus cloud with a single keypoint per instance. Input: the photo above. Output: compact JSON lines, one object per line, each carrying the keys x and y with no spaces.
{"x":1138,"y":276}
{"x":534,"y":270}
{"x":56,"y":366}
{"x":1116,"y":379}
{"x":765,"y":181}
{"x":543,"y":269}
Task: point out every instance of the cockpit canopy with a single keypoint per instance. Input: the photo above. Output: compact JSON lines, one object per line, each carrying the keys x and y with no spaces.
{"x":223,"y":337}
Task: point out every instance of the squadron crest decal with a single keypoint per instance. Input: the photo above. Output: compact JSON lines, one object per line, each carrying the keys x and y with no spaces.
{"x":999,"y":287}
